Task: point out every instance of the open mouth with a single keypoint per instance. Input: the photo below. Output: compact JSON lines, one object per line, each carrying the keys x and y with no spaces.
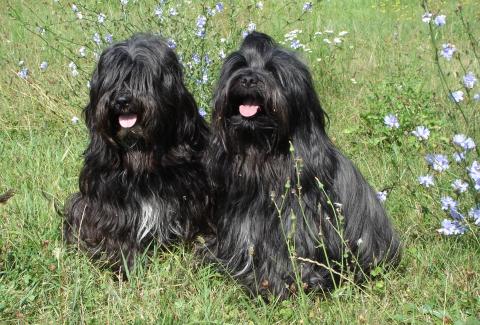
{"x":127,"y":120}
{"x":248,"y":110}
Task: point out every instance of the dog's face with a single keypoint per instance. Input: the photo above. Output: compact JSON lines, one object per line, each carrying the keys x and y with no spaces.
{"x":135,"y":91}
{"x":263,"y":93}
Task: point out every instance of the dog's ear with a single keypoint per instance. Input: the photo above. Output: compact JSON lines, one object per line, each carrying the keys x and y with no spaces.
{"x":258,"y":41}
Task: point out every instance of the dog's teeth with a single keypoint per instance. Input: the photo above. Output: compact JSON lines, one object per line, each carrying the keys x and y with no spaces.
{"x":127,"y":120}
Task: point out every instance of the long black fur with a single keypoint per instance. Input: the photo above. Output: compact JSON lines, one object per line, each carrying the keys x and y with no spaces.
{"x":148,"y":182}
{"x":287,"y":201}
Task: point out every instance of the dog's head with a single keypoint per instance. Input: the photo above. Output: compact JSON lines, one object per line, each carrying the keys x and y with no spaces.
{"x":137,"y":94}
{"x":264,"y":93}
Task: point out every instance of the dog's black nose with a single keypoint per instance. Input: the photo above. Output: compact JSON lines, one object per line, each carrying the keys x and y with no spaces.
{"x":249,"y":81}
{"x":122,"y":101}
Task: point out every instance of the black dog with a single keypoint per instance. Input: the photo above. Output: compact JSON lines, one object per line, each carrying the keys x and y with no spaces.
{"x":291,"y":210}
{"x":143,"y":179}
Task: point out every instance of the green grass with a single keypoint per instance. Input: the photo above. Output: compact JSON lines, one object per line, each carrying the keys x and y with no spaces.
{"x":387,"y":52}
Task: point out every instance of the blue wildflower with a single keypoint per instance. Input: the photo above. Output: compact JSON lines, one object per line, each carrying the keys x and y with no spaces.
{"x":196,"y":58}
{"x":459,"y":156}
{"x":460,"y":186}
{"x":440,"y":20}
{"x":426,"y":17}
{"x":391,"y":121}
{"x":474,"y":213}
{"x":23,"y":73}
{"x":469,"y":80}
{"x":123,"y":2}
{"x":382,"y":196}
{"x":171,"y":43}
{"x":457,"y":96}
{"x":307,"y":6}
{"x":101,"y":18}
{"x":202,"y":112}
{"x":448,"y":203}
{"x":108,"y":38}
{"x":450,"y":227}
{"x":158,"y":12}
{"x":421,"y":132}
{"x":476,"y":97}
{"x":437,"y":161}
{"x":201,"y":21}
{"x":456,"y":215}
{"x":43,"y":66}
{"x":462,"y":141}
{"x":96,"y":38}
{"x":447,"y":51}
{"x":219,"y":7}
{"x":173,"y":12}
{"x":426,"y":180}
{"x":251,"y":27}
{"x":295,"y":44}
{"x":74,"y":8}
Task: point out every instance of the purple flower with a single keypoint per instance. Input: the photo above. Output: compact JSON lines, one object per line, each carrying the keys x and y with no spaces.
{"x":440,"y":20}
{"x":451,"y":228}
{"x":448,"y":203}
{"x":437,"y":161}
{"x":474,"y":171}
{"x":23,"y":73}
{"x":74,"y":8}
{"x":447,"y":51}
{"x":456,"y":215}
{"x":476,"y":97}
{"x":295,"y":44}
{"x":474,"y":213}
{"x":307,"y":6}
{"x":426,"y":180}
{"x":459,"y":156}
{"x":391,"y":121}
{"x":469,"y":80}
{"x":382,"y":196}
{"x":202,"y":112}
{"x":123,"y":2}
{"x":457,"y":96}
{"x":43,"y":66}
{"x":96,"y":38}
{"x":158,"y":12}
{"x":421,"y":132}
{"x":101,"y":18}
{"x":251,"y":27}
{"x":173,"y":12}
{"x":219,"y":7}
{"x":196,"y":58}
{"x":201,"y":21}
{"x":460,"y":186}
{"x":108,"y":38}
{"x":171,"y":43}
{"x":200,"y":32}
{"x":461,"y":140}
{"x":426,"y":17}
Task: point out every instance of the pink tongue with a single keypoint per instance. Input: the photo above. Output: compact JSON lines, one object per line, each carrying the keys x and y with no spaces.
{"x":248,"y":110}
{"x":127,"y":120}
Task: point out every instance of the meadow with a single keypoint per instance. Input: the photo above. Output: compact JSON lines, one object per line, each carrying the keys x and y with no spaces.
{"x":382,"y":68}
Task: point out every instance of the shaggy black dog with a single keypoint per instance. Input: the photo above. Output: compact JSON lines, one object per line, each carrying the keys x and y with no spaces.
{"x":291,"y":210}
{"x":143,"y":179}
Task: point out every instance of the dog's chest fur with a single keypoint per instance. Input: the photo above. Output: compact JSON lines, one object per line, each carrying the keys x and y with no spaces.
{"x":157,"y":219}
